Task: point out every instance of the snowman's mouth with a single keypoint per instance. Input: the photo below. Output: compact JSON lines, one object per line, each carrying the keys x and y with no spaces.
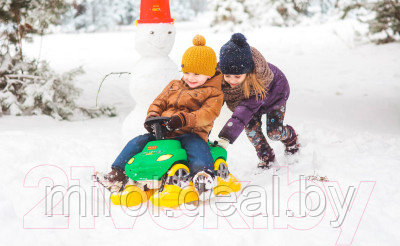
{"x":156,"y":46}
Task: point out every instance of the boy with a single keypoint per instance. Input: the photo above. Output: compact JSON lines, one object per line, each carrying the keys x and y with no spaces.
{"x":193,"y":103}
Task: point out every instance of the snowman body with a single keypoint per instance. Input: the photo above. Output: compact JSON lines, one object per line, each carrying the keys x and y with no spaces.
{"x":150,"y":74}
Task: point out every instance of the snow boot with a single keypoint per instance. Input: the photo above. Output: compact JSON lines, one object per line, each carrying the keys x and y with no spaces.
{"x":291,"y":143}
{"x":267,"y":161}
{"x":114,"y":181}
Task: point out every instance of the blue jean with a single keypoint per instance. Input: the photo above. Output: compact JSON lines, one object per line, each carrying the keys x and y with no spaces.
{"x":197,"y":150}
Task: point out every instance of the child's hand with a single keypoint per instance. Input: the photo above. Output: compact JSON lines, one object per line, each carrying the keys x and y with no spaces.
{"x":148,"y":127}
{"x":177,"y":121}
{"x":222,"y":143}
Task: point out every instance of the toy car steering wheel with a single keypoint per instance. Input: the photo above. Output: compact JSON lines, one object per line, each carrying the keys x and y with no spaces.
{"x":158,"y":125}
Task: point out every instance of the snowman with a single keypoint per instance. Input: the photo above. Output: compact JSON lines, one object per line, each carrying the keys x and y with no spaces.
{"x":154,"y":39}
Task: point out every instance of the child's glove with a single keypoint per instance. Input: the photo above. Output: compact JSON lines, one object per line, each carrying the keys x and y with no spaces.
{"x":177,"y":121}
{"x":148,"y":127}
{"x":222,"y":142}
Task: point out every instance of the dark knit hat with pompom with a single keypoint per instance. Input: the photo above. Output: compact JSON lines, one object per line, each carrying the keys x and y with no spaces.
{"x":235,"y":56}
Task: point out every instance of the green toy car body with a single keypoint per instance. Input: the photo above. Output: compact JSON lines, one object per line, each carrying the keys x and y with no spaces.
{"x":150,"y":166}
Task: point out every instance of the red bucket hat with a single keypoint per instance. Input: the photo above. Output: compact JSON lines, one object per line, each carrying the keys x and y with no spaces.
{"x":154,"y":11}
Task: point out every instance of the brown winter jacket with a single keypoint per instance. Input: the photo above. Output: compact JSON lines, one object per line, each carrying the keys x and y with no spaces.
{"x":200,"y":105}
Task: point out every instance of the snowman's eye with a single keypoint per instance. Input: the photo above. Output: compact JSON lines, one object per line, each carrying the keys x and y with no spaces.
{"x":169,"y":32}
{"x":151,"y":32}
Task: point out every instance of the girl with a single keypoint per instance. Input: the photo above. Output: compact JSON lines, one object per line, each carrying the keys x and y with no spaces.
{"x":253,"y":87}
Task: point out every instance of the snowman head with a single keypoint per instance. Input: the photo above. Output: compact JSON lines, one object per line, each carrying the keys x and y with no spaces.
{"x":154,"y":39}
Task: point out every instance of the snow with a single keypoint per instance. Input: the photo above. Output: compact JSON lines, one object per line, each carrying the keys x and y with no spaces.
{"x":344,"y":103}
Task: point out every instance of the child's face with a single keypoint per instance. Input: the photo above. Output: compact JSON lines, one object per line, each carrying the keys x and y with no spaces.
{"x":194,"y":80}
{"x":234,"y":79}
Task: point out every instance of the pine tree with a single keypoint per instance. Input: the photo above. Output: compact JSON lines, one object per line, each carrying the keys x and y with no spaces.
{"x":101,"y":15}
{"x":181,"y":10}
{"x":284,"y":12}
{"x":244,"y":14}
{"x":382,"y":16}
{"x":28,"y":86}
{"x":387,"y":20}
{"x":229,"y":14}
{"x":198,"y":6}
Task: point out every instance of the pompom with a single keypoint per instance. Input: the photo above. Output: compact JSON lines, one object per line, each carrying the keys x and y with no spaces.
{"x":199,"y":40}
{"x":239,"y":39}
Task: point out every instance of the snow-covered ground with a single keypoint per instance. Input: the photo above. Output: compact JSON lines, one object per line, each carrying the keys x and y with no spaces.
{"x":344,"y":104}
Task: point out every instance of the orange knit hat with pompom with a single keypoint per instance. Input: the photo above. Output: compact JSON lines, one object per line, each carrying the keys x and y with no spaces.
{"x":199,"y":58}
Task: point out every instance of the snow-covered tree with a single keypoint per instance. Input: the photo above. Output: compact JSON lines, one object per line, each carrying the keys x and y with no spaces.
{"x":244,"y":14}
{"x":386,"y":21}
{"x":181,"y":10}
{"x":198,"y":6}
{"x":283,"y":12}
{"x":100,"y":15}
{"x":229,"y":14}
{"x":27,"y":86}
{"x":126,"y":11}
{"x":382,"y":16}
{"x":19,"y":19}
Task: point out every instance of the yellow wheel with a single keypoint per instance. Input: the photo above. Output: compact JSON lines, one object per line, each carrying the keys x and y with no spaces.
{"x":227,"y":183}
{"x":178,"y":175}
{"x":221,"y":168}
{"x":177,"y":188}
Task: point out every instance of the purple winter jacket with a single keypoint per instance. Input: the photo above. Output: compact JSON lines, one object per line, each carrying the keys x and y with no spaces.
{"x":278,"y":94}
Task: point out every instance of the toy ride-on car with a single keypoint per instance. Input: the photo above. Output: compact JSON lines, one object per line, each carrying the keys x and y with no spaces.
{"x":160,"y":172}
